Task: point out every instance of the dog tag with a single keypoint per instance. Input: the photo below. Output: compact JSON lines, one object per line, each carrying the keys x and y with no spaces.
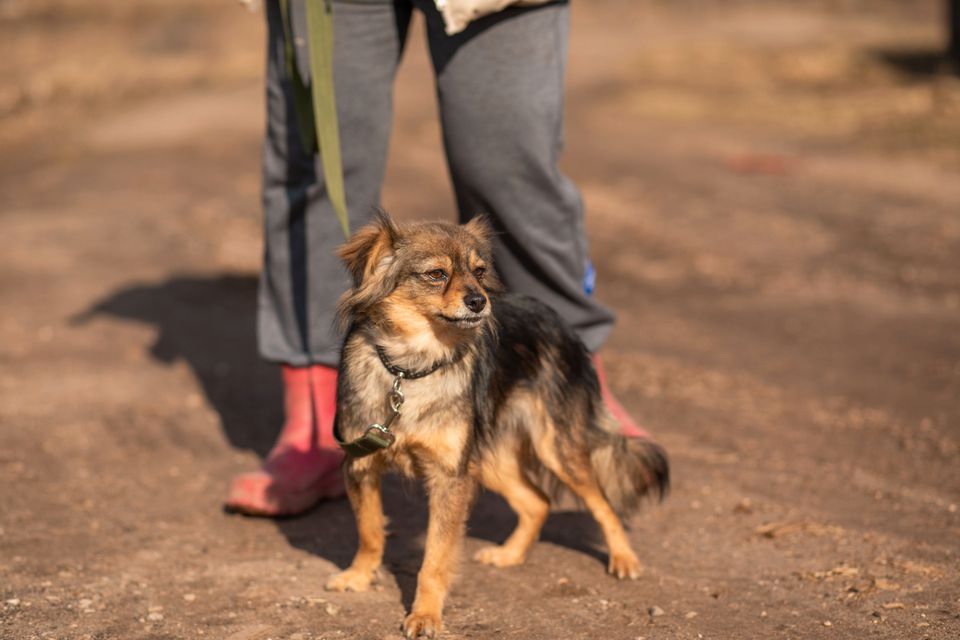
{"x":379,"y":437}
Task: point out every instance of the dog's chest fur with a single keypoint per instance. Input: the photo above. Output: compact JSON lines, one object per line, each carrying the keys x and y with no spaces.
{"x":435,"y":419}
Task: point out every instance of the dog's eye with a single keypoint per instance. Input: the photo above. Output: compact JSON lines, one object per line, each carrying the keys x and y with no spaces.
{"x":436,"y":275}
{"x":479,"y":272}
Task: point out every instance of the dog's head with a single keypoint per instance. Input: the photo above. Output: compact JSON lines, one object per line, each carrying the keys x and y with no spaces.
{"x":421,"y":280}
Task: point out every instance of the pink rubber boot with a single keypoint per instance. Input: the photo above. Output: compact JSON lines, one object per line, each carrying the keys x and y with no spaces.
{"x":304,"y":465}
{"x":628,"y":427}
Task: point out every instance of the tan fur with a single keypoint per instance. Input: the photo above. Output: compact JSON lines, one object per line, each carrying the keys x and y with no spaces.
{"x":408,"y":318}
{"x":528,"y":408}
{"x":364,"y":493}
{"x":450,"y":500}
{"x":503,"y":473}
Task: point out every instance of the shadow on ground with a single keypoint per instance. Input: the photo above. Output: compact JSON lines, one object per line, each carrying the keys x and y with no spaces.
{"x":920,"y":63}
{"x":209,"y":322}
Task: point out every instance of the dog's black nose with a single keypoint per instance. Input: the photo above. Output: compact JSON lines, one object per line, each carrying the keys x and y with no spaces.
{"x":475,"y":302}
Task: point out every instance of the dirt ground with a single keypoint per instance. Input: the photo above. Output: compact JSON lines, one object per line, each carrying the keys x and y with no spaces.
{"x":773,"y":194}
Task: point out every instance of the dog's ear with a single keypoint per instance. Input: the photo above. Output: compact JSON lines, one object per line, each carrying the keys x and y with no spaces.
{"x":369,"y":257}
{"x":480,"y":228}
{"x":370,"y":247}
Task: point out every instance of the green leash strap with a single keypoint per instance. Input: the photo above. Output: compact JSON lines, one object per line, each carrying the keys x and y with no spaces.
{"x":320,"y":30}
{"x":373,"y":440}
{"x":317,"y":108}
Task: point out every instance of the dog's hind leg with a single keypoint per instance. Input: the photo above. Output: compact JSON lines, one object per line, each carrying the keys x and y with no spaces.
{"x":502,"y":473}
{"x":363,"y":488}
{"x":577,"y":474}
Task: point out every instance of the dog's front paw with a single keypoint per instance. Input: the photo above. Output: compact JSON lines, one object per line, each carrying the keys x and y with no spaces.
{"x":624,"y":565}
{"x":421,"y":625}
{"x":499,"y":556}
{"x":350,"y":580}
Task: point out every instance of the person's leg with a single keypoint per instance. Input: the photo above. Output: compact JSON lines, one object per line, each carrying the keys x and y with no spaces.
{"x":302,"y":278}
{"x":500,"y":85}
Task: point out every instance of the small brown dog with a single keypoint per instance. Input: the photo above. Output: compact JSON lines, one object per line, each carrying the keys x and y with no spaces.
{"x":494,"y":389}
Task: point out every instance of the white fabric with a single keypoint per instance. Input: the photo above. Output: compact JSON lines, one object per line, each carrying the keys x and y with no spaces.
{"x":457,"y":14}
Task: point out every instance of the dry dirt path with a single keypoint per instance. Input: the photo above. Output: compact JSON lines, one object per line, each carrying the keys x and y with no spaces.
{"x":781,"y":245}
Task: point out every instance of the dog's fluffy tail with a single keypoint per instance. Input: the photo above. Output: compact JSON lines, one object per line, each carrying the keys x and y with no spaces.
{"x":628,"y":469}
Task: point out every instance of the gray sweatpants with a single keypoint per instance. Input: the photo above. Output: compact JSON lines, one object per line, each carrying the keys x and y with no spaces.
{"x":500,"y":92}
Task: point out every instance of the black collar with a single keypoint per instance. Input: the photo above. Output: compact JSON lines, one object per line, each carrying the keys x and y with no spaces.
{"x":411,"y":375}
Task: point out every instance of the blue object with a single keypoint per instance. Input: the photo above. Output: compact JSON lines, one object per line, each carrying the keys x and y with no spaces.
{"x":589,"y":278}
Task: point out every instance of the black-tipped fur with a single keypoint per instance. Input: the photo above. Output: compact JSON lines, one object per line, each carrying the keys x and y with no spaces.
{"x":531,"y":348}
{"x":512,"y":396}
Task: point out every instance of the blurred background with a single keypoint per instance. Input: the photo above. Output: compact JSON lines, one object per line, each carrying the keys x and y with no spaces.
{"x":773,"y":198}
